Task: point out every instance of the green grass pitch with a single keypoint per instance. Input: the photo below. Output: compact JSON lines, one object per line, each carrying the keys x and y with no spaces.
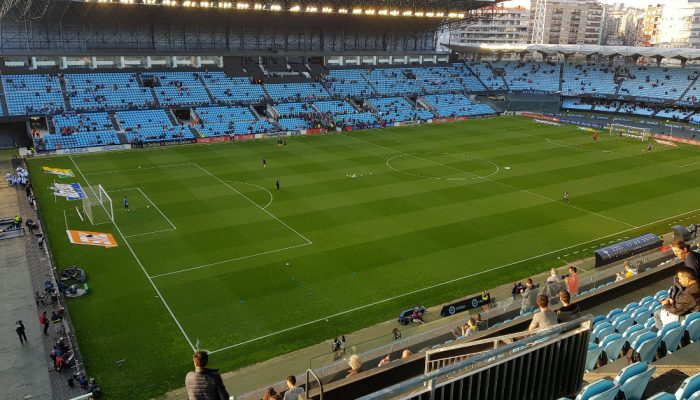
{"x":365,"y":225}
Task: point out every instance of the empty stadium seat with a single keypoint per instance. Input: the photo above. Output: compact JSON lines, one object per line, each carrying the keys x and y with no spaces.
{"x":671,"y":335}
{"x":602,"y":389}
{"x":592,"y":356}
{"x":689,"y":388}
{"x":612,"y":345}
{"x":633,"y":380}
{"x":645,"y":346}
{"x":692,"y":326}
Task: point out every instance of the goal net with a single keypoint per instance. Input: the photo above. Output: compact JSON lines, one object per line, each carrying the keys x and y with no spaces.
{"x":630,"y":132}
{"x":97,"y":205}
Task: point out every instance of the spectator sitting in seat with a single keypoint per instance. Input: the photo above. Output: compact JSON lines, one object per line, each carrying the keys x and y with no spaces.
{"x":295,"y":392}
{"x":567,"y":312}
{"x":271,"y":394}
{"x":685,"y":301}
{"x":417,"y":316}
{"x":355,"y":365}
{"x":545,"y":318}
{"x":385,"y":361}
{"x":627,"y":272}
{"x":406,"y":353}
{"x":204,"y":383}
{"x":529,"y":298}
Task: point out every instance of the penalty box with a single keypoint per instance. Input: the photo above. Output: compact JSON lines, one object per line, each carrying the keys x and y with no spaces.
{"x":192,"y":219}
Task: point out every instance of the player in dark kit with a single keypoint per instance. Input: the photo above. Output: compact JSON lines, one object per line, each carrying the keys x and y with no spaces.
{"x":264,"y":162}
{"x":277,"y":184}
{"x":126,"y":203}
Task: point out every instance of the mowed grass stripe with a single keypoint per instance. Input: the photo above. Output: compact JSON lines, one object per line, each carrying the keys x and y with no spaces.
{"x":375,"y":237}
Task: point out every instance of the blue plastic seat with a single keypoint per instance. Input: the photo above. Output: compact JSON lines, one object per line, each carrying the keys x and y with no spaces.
{"x":613,"y":313}
{"x":692,"y":326}
{"x":671,"y":334}
{"x":602,"y":330}
{"x":662,"y":396}
{"x":592,"y":355}
{"x":646,"y":299}
{"x":597,"y":319}
{"x":623,"y":322}
{"x":650,"y":323}
{"x":632,"y":330}
{"x":661,"y":294}
{"x":688,"y":388}
{"x":695,"y":396}
{"x":602,"y":389}
{"x":631,"y":306}
{"x":612,"y":345}
{"x":645,"y":346}
{"x":641,"y":315}
{"x":633,"y":380}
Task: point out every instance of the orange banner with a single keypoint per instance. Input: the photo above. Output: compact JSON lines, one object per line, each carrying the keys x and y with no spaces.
{"x":92,"y":238}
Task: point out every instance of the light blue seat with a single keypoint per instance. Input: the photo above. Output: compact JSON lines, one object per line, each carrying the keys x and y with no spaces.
{"x":613,"y":344}
{"x":630,"y":307}
{"x":661,"y":294}
{"x":592,"y":355}
{"x":688,"y":388}
{"x":602,"y":389}
{"x":613,"y":313}
{"x":598,"y":319}
{"x":692,"y":326}
{"x":641,"y":315}
{"x":633,"y":380}
{"x":671,"y":334}
{"x":650,"y":323}
{"x":632,"y":330}
{"x":623,"y":322}
{"x":603,"y":330}
{"x":646,"y":299}
{"x":645,"y":346}
{"x":695,"y":396}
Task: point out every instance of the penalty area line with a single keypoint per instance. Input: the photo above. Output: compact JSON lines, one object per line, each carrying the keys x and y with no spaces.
{"x":440,"y":284}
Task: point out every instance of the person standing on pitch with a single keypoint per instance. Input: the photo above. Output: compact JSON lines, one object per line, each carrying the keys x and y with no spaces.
{"x":126,"y":203}
{"x":595,"y":136}
{"x":566,"y":197}
{"x":264,"y":162}
{"x":277,"y":184}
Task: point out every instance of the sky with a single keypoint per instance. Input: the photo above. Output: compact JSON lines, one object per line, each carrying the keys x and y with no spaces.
{"x":635,"y":3}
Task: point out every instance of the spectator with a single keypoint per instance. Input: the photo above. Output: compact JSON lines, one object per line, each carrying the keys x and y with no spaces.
{"x":19,"y":329}
{"x":690,"y":259}
{"x":44,"y":320}
{"x":685,"y":301}
{"x":355,"y":365}
{"x":406,"y":353}
{"x":553,"y":285}
{"x":417,"y":316}
{"x":295,"y":392}
{"x":397,"y":333}
{"x":545,"y":318}
{"x":572,"y":281}
{"x":204,"y":383}
{"x":627,"y":272}
{"x":529,"y":298}
{"x":271,"y":394}
{"x":567,"y":312}
{"x":385,"y":361}
{"x":470,"y":328}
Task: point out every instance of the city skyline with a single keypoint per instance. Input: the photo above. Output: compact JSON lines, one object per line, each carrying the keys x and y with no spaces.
{"x":636,"y":3}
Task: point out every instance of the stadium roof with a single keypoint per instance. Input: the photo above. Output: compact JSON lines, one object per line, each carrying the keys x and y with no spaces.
{"x":681,"y":53}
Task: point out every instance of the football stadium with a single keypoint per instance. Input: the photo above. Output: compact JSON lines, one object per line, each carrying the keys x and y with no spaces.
{"x":451,"y":199}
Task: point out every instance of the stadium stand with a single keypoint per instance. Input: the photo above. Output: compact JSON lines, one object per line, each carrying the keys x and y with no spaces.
{"x":218,"y":121}
{"x":334,"y":107}
{"x":80,"y":139}
{"x":142,"y":118}
{"x":106,"y":91}
{"x":181,"y":88}
{"x":287,"y":110}
{"x":526,"y":76}
{"x":33,"y":94}
{"x":296,"y":91}
{"x":233,"y":90}
{"x":397,"y":109}
{"x":588,"y":79}
{"x":359,"y":120}
{"x":349,"y":83}
{"x":162,"y":134}
{"x":67,"y":123}
{"x":456,"y":105}
{"x":656,"y":82}
{"x":575,"y":104}
{"x":291,"y":124}
{"x":394,"y":81}
{"x":484,"y":73}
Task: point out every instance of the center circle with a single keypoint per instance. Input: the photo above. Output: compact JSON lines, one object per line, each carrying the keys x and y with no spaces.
{"x":468,"y":167}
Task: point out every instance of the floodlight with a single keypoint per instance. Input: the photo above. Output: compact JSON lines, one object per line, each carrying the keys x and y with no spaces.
{"x":275,"y":7}
{"x":370,"y":12}
{"x":394,"y":12}
{"x":295,"y":9}
{"x":342,"y":11}
{"x":311,"y":9}
{"x":242,"y":6}
{"x":407,"y":13}
{"x":357,"y":11}
{"x":383,"y":12}
{"x":419,"y":13}
{"x":327,"y":10}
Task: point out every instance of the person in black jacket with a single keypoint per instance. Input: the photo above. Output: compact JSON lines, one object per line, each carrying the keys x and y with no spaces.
{"x":567,"y":312}
{"x":204,"y":383}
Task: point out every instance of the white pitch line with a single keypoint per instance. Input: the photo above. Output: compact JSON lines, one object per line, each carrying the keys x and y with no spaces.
{"x":500,"y":183}
{"x":437,"y":285}
{"x":137,"y":169}
{"x":162,"y":299}
{"x":257,"y":186}
{"x":150,"y":233}
{"x":254,"y":203}
{"x":229,"y":260}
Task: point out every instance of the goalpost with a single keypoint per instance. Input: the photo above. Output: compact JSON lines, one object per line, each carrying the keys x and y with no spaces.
{"x":97,"y":205}
{"x":630,"y":132}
